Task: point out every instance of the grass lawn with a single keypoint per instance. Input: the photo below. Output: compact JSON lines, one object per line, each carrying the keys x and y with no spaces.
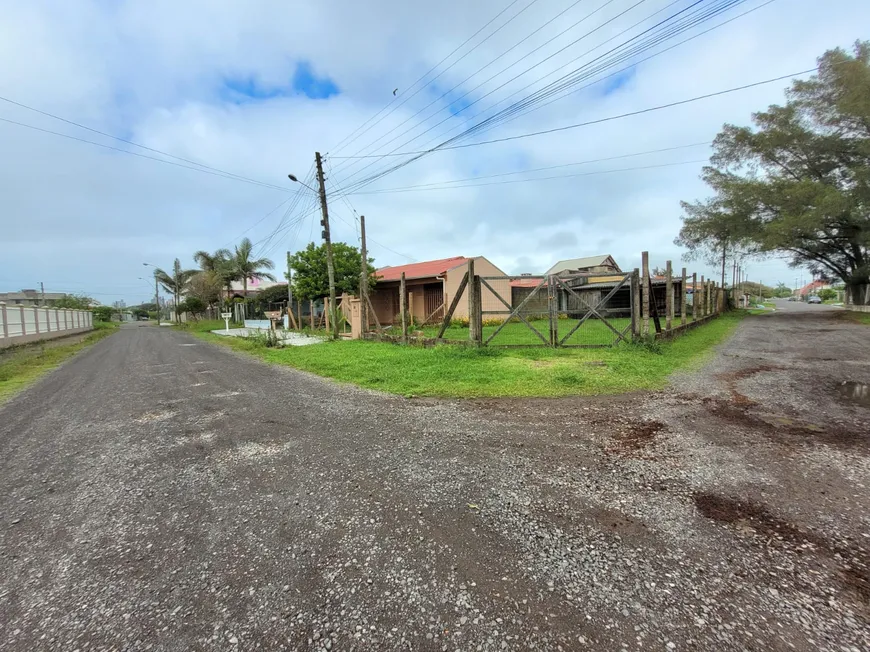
{"x":22,"y":366}
{"x":855,"y":316}
{"x":459,"y":371}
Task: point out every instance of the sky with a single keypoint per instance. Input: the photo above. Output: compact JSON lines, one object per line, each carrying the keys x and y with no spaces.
{"x":230,"y":98}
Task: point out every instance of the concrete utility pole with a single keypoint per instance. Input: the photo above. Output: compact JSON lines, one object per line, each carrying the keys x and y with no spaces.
{"x":157,"y":299}
{"x":330,"y":266}
{"x":290,"y":319}
{"x":364,"y":275}
{"x":42,"y":287}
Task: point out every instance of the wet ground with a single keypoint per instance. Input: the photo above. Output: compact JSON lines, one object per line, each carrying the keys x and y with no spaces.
{"x":162,"y":493}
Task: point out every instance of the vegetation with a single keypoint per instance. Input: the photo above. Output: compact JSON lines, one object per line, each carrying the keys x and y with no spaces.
{"x":73,"y":302}
{"x":243,"y":267}
{"x":799,"y":182}
{"x":461,"y":371}
{"x":102,"y":313}
{"x":24,"y":365}
{"x":827,"y":294}
{"x":310,"y":276}
{"x":782,"y":291}
{"x":857,"y":317}
{"x":175,"y":283}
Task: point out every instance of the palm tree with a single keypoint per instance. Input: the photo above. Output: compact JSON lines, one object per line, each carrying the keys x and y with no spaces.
{"x":176,"y":282}
{"x":244,"y":267}
{"x":218,"y":263}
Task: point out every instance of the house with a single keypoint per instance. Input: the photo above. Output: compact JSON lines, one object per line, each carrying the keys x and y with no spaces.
{"x":254,"y":286}
{"x":813,"y":288}
{"x":431,"y":286}
{"x":601,"y":264}
{"x":31,"y":298}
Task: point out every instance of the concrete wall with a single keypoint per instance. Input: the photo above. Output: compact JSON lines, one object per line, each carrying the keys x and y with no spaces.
{"x":23,"y":324}
{"x":858,"y":308}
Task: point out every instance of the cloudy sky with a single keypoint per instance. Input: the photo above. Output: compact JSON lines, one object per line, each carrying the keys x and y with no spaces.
{"x":241,"y":94}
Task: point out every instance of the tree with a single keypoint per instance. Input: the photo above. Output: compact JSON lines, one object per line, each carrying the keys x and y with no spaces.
{"x":205,"y":287}
{"x":310,"y":277}
{"x":799,"y":181}
{"x":220,"y":264}
{"x":243,"y":267}
{"x":782,"y":291}
{"x":175,"y":283}
{"x":102,"y":313}
{"x":73,"y":301}
{"x":827,"y":294}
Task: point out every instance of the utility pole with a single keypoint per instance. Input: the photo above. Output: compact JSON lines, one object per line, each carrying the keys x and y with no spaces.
{"x":157,"y":299}
{"x":724,"y":252}
{"x":42,"y":287}
{"x":330,"y":266}
{"x":364,"y":275}
{"x":290,"y":318}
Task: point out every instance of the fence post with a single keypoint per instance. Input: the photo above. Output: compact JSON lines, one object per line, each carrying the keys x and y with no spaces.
{"x":694,"y":296}
{"x":703,"y":297}
{"x":635,"y":303}
{"x":644,"y":288}
{"x":475,"y":308}
{"x":311,"y":313}
{"x":709,"y":297}
{"x":403,"y":307}
{"x":5,"y":320}
{"x":36,"y":318}
{"x":669,"y":295}
{"x":683,"y":299}
{"x":553,"y":312}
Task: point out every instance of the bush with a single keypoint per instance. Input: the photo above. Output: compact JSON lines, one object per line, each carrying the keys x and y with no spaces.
{"x":102,"y":313}
{"x":827,"y":294}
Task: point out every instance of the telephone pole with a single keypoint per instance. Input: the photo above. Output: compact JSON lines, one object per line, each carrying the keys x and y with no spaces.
{"x":330,"y":267}
{"x":42,"y":287}
{"x":364,"y":275}
{"x":290,"y":319}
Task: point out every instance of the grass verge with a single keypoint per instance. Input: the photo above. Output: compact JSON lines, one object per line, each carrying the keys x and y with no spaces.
{"x":21,"y":366}
{"x":464,"y":372}
{"x":857,"y":317}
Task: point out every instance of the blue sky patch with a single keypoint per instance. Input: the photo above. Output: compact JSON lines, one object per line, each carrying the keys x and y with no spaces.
{"x":304,"y":82}
{"x":615,"y":83}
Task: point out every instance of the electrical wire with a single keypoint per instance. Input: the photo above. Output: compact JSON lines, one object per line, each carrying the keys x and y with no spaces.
{"x":152,"y":158}
{"x":123,"y":140}
{"x":337,"y":147}
{"x":689,"y":21}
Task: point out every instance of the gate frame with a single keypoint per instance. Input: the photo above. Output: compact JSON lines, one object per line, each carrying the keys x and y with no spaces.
{"x":514,"y":312}
{"x":592,"y":310}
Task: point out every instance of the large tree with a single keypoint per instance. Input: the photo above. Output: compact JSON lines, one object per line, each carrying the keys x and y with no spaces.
{"x":310,"y":276}
{"x":219,"y":263}
{"x":244,"y":267}
{"x":798,"y":182}
{"x":176,"y":282}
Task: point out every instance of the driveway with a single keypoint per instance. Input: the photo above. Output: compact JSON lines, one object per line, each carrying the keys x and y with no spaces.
{"x":161,"y":493}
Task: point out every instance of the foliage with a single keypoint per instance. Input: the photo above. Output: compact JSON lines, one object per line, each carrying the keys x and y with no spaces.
{"x":310,"y":276}
{"x":175,"y":283}
{"x":102,"y":313}
{"x":782,"y":291}
{"x":218,"y":264}
{"x":827,"y":294}
{"x":459,"y":371}
{"x":799,"y":182}
{"x":243,"y":267}
{"x":754,"y":289}
{"x":73,"y":301}
{"x":194,"y":305}
{"x":139,"y":312}
{"x":205,"y":287}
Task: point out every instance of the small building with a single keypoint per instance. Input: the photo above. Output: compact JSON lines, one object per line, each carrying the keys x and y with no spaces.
{"x":601,"y":264}
{"x":431,"y":287}
{"x":31,"y":298}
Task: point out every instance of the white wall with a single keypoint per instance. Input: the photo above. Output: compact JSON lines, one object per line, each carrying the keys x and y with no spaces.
{"x":22,"y":324}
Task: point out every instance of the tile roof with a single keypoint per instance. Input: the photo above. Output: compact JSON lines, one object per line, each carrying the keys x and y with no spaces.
{"x":427,"y":269}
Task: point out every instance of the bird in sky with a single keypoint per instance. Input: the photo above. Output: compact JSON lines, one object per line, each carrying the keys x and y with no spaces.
{"x":395,"y":90}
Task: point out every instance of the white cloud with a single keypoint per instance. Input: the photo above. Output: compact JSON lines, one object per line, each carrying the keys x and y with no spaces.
{"x":83,"y":218}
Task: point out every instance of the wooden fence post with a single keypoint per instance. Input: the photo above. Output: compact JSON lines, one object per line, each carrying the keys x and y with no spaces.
{"x":553,"y":312}
{"x":403,"y":307}
{"x":703,"y":301}
{"x":311,"y":313}
{"x":635,"y":303}
{"x":683,"y":299}
{"x":694,"y":296}
{"x":645,"y":288}
{"x":475,"y":314}
{"x":669,"y":295}
{"x":709,"y":296}
{"x":4,"y":318}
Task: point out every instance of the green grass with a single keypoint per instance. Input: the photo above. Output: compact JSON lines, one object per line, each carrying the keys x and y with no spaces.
{"x":593,"y":331}
{"x":22,"y":366}
{"x":855,"y":316}
{"x":460,"y":371}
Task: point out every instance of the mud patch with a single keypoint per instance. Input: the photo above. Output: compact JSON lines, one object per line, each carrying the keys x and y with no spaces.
{"x":750,"y":518}
{"x":731,"y":378}
{"x":637,"y":437}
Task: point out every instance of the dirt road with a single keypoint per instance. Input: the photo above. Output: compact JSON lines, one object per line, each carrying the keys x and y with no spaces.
{"x":160,"y":493}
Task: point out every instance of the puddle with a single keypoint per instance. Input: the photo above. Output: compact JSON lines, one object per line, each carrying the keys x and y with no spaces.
{"x":855,"y":391}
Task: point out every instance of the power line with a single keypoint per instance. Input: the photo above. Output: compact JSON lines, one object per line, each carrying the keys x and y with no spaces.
{"x":688,"y":21}
{"x":549,"y":167}
{"x":123,"y":140}
{"x":561,"y":176}
{"x":436,"y":66}
{"x":151,"y":158}
{"x":479,"y":70}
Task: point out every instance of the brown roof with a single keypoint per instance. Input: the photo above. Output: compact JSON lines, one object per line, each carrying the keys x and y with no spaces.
{"x":427,"y":269}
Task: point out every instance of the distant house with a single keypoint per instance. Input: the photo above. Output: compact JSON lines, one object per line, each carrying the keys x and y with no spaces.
{"x":602,"y":264}
{"x":813,"y":288}
{"x":254,"y":286}
{"x":431,"y":286}
{"x":31,"y":298}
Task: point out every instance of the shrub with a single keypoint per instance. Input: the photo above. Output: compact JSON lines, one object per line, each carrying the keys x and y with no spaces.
{"x":102,"y":313}
{"x":827,"y":294}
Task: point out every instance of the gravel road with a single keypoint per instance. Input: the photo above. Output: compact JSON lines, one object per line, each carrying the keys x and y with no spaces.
{"x":161,"y":493}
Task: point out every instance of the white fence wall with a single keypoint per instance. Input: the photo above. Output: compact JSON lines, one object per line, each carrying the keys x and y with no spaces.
{"x":22,"y":324}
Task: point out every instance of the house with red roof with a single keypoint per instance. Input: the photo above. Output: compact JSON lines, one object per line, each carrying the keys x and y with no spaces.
{"x":431,"y":287}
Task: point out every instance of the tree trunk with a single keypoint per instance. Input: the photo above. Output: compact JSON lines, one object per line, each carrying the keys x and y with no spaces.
{"x":724,"y":252}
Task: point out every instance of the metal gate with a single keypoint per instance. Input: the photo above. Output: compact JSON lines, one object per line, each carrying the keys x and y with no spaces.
{"x":556,"y":311}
